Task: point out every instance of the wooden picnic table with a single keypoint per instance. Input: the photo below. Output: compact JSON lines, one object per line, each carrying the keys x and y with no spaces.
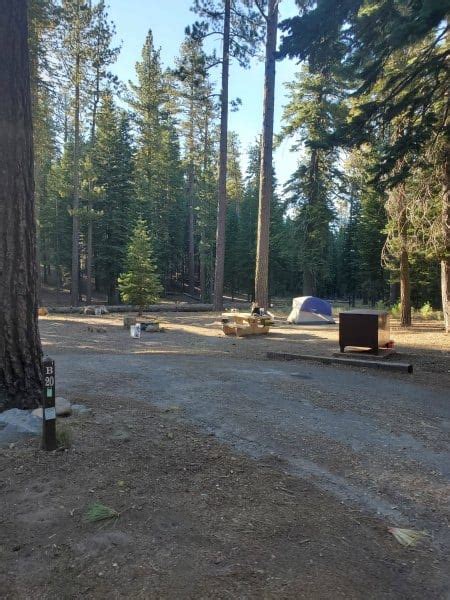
{"x":241,"y":324}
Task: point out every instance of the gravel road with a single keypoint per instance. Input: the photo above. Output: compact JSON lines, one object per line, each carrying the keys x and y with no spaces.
{"x":377,"y":442}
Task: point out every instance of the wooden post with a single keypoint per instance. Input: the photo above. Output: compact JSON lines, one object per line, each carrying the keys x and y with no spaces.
{"x":48,"y":406}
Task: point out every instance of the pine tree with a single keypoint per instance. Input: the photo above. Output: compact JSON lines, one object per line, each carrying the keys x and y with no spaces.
{"x":371,"y":223}
{"x":248,"y":218}
{"x":239,"y":25}
{"x":265,"y":180}
{"x":112,"y":183}
{"x":42,"y":22}
{"x":364,"y":36}
{"x":193,"y":91}
{"x":55,"y":221}
{"x":313,"y":110}
{"x":140,"y":284}
{"x":75,"y":29}
{"x":102,"y":54}
{"x":235,"y":192}
{"x":158,"y":172}
{"x":20,"y":346}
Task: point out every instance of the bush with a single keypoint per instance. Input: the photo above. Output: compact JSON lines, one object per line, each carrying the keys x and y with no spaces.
{"x":140,"y":283}
{"x":396,"y":310}
{"x":63,"y":437}
{"x":428,"y":312}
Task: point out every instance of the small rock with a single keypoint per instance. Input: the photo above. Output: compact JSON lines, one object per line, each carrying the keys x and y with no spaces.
{"x":63,"y":408}
{"x":15,"y":425}
{"x":80,"y":409}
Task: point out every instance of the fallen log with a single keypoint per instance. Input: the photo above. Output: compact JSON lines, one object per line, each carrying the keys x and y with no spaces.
{"x":354,"y":362}
{"x":182,"y":307}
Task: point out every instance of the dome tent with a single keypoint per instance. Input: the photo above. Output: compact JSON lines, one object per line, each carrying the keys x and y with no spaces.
{"x":308,"y":310}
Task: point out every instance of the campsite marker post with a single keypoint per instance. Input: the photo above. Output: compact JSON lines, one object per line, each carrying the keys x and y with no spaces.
{"x":48,"y":406}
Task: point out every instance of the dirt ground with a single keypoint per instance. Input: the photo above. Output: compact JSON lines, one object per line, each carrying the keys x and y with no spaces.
{"x":233,"y":476}
{"x":425,"y":344}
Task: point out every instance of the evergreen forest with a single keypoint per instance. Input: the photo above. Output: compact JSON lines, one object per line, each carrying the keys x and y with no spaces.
{"x":363,"y":218}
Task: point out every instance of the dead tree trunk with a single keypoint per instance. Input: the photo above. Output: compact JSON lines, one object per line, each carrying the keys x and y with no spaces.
{"x":20,"y":347}
{"x":223,"y":149}
{"x":265,"y":180}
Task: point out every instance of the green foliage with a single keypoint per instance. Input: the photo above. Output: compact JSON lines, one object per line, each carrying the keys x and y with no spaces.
{"x":366,"y":111}
{"x":113,"y":195}
{"x":396,"y":310}
{"x":312,"y":111}
{"x":99,"y":512}
{"x":426,"y":310}
{"x":246,"y":26}
{"x":140,"y":284}
{"x":63,"y":436}
{"x":158,"y":174}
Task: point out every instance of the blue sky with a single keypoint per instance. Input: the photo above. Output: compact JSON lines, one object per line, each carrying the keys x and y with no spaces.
{"x":168,"y":19}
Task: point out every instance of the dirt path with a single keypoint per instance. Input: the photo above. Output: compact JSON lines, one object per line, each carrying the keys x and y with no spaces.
{"x":178,"y":421}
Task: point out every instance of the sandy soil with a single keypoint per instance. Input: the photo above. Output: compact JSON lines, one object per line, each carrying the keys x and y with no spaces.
{"x":203,"y":516}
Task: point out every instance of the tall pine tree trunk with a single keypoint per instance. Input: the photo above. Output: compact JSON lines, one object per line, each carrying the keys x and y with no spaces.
{"x":405,"y":287}
{"x":74,"y":288}
{"x":202,"y":258}
{"x":445,"y":263}
{"x":223,"y":149}
{"x":20,"y":348}
{"x":190,"y":194}
{"x":89,"y":250}
{"x":202,"y":253}
{"x":265,"y":181}
{"x":90,"y":236}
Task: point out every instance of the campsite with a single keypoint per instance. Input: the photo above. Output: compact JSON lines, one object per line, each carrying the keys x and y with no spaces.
{"x":224,"y":300}
{"x":232,"y":474}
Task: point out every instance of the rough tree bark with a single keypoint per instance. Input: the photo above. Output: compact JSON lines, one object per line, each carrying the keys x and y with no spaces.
{"x":190,"y":197}
{"x":20,"y":347}
{"x":265,"y":180}
{"x":202,"y":254}
{"x":445,"y":263}
{"x":405,"y":286}
{"x":90,"y":231}
{"x":75,"y":281}
{"x":223,"y":149}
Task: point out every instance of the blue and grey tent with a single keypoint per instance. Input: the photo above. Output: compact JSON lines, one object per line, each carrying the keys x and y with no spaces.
{"x":308,"y":310}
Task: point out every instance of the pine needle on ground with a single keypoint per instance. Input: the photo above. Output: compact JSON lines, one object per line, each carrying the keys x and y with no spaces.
{"x":100,"y":512}
{"x":407,"y":537}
